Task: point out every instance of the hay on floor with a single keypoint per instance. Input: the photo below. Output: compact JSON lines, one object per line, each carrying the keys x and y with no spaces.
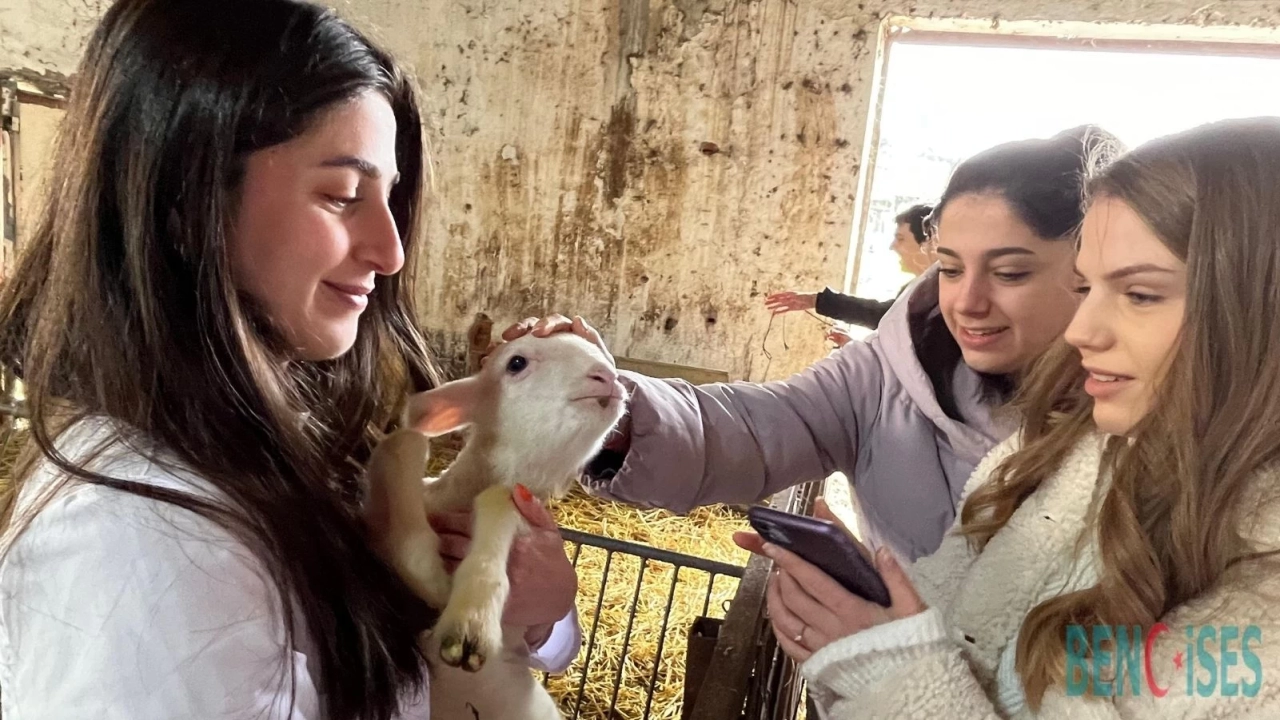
{"x":12,"y":441}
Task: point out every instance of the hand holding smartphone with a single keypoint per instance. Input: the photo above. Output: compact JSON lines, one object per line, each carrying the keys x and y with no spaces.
{"x":825,"y":545}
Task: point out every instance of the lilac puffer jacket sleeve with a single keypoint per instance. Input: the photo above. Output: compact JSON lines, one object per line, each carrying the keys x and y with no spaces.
{"x":741,"y":442}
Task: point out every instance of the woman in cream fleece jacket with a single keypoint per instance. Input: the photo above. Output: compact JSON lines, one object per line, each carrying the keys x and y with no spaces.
{"x":1142,"y":493}
{"x":956,"y":659}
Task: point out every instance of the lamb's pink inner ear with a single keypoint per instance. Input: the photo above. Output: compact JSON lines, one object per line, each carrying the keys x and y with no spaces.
{"x":445,"y":409}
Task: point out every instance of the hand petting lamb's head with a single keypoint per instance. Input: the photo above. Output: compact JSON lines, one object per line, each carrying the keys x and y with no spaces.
{"x":544,"y":403}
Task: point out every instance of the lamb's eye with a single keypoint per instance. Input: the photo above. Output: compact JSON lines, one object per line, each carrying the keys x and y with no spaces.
{"x":516,"y":364}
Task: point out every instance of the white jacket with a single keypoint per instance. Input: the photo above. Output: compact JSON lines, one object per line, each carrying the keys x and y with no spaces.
{"x":956,"y":659}
{"x":114,"y":606}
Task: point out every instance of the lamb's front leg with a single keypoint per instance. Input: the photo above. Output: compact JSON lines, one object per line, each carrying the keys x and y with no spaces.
{"x":470,"y":630}
{"x":397,"y":518}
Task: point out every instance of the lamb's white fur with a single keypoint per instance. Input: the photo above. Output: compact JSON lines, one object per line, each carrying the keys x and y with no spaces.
{"x":535,"y":426}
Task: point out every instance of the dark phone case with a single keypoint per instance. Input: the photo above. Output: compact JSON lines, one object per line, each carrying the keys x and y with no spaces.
{"x":823,"y":544}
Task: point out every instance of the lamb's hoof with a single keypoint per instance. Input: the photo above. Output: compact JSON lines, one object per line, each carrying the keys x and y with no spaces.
{"x":461,"y":653}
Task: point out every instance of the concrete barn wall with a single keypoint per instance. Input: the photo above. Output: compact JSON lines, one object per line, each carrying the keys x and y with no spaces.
{"x":654,"y":165}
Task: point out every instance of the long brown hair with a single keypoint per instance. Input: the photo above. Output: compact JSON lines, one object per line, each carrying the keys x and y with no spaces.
{"x":123,"y":306}
{"x":1168,"y":527}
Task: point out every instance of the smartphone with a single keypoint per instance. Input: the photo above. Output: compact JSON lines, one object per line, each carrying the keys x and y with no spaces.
{"x":825,"y":545}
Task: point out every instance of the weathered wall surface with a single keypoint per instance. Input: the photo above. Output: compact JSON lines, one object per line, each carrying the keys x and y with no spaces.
{"x":578,"y":173}
{"x":654,"y":165}
{"x":45,"y":37}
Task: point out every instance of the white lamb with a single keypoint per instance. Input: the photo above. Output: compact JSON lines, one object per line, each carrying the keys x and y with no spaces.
{"x":538,"y":410}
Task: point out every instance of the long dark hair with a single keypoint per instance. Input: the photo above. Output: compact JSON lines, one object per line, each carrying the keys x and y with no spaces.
{"x":1041,"y":179}
{"x":123,"y":306}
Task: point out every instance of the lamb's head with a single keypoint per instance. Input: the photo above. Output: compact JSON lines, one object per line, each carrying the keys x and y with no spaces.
{"x":540,"y":407}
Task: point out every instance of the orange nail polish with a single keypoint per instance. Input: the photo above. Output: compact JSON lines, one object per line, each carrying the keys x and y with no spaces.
{"x":523,"y":493}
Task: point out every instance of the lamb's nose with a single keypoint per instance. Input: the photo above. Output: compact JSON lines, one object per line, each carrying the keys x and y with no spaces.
{"x":604,"y":376}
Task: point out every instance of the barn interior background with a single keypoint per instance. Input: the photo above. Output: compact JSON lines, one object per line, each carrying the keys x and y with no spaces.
{"x":656,"y":166}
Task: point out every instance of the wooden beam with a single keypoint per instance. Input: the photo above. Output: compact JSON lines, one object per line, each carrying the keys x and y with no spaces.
{"x":653,"y":368}
{"x":39,"y":88}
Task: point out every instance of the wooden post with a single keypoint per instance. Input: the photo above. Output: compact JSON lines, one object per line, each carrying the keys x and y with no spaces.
{"x":747,"y":665}
{"x":9,"y":174}
{"x":724,"y":689}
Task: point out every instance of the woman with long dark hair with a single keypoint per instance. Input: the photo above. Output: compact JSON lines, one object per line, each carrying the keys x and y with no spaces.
{"x":214,"y":322}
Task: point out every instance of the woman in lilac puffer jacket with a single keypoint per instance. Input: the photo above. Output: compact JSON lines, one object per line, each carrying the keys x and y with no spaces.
{"x":907,"y":413}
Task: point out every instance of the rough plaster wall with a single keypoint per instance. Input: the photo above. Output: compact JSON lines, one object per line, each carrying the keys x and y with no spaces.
{"x":660,"y":196}
{"x":572,"y":176}
{"x":45,"y":37}
{"x":572,"y":166}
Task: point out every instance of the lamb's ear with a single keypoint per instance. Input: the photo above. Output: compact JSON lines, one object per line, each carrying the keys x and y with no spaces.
{"x":450,"y":407}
